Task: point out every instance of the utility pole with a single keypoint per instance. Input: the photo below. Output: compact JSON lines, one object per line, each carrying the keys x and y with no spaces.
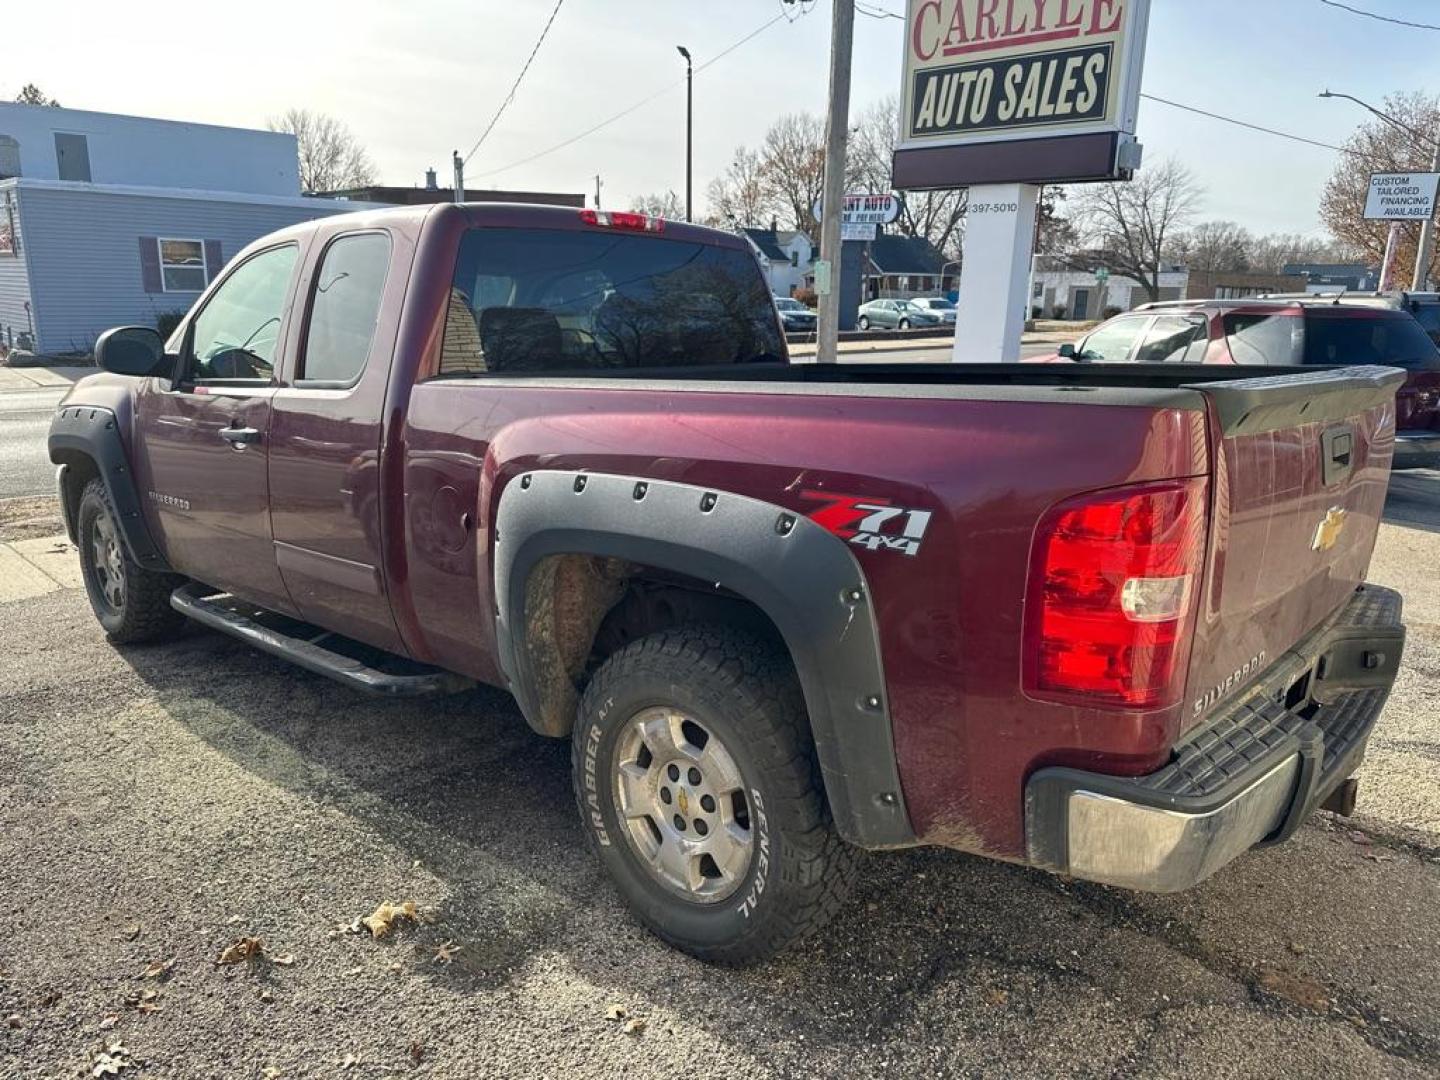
{"x":832,"y":201}
{"x":459,"y":177}
{"x":1427,"y":238}
{"x":597,"y":191}
{"x":689,"y":128}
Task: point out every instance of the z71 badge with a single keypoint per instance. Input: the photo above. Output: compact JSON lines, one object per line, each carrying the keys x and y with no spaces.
{"x":868,"y":522}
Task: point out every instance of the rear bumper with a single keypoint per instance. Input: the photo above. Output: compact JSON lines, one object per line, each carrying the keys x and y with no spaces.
{"x":1251,"y":775}
{"x":1417,"y":450}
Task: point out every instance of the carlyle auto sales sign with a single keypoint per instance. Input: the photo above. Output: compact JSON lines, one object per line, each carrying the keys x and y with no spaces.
{"x":990,"y":70}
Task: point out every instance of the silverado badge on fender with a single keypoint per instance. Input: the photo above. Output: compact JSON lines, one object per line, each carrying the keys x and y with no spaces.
{"x":1328,"y":531}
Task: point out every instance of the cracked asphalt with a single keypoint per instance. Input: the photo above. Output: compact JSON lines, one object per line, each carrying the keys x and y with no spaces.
{"x":157,"y":803}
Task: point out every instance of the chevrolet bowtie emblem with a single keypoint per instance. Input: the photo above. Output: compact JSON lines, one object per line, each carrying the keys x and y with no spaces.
{"x":1328,"y":531}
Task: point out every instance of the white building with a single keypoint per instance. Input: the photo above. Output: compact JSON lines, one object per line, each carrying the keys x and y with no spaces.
{"x":1080,"y":294}
{"x":107,"y":220}
{"x":785,"y":257}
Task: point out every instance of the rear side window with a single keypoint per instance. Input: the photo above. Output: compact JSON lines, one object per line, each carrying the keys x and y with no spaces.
{"x":1264,"y":337}
{"x":1428,"y":316}
{"x":1370,"y":337}
{"x":554,"y":301}
{"x":344,"y":308}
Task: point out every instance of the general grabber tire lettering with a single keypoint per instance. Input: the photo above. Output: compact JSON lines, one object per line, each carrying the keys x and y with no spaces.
{"x":132,"y":603}
{"x":697,"y":738}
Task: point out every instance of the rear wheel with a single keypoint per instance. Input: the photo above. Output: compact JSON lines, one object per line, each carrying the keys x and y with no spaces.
{"x":904,"y":324}
{"x":864,"y":323}
{"x":695,"y":773}
{"x":131,"y":603}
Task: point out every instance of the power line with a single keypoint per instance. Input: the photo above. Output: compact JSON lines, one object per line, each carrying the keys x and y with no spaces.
{"x":642,"y":102}
{"x":1376,"y":15}
{"x":511,"y":96}
{"x":1252,"y":127}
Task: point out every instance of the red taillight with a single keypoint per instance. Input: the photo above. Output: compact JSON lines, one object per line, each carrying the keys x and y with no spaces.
{"x":1113,"y":579}
{"x":622,"y":219}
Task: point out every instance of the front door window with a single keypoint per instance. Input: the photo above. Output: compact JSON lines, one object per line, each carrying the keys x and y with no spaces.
{"x":236,"y":335}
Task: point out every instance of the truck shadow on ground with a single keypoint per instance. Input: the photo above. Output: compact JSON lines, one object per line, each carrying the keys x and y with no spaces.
{"x":464,"y":787}
{"x":1414,"y":499}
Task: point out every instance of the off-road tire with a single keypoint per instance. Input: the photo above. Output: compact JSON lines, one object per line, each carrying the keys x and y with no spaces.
{"x":744,"y":689}
{"x":144,"y":613}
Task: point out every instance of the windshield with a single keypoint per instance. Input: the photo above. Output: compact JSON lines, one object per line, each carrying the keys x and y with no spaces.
{"x":556,"y":300}
{"x":939,"y":305}
{"x":1369,"y":337}
{"x":790,"y":305}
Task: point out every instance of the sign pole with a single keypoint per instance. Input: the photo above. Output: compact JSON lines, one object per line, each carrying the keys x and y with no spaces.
{"x":1427,"y":238}
{"x":999,"y":236}
{"x":827,"y":280}
{"x":1387,"y":265}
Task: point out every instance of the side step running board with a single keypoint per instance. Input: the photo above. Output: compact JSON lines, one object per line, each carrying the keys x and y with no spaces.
{"x":284,"y":639}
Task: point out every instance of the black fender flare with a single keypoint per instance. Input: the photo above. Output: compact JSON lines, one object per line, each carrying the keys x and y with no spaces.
{"x":80,"y":432}
{"x":806,"y":581}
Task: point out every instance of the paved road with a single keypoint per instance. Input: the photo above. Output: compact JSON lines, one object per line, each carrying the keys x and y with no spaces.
{"x":157,"y":803}
{"x":24,"y":419}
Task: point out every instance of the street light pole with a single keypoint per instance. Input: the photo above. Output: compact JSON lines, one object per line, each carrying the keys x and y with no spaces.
{"x":832,"y":201}
{"x":1426,"y":248}
{"x":689,"y":127}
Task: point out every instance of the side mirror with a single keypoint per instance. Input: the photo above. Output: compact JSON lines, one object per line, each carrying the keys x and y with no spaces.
{"x":1067,"y":351}
{"x":132,"y":350}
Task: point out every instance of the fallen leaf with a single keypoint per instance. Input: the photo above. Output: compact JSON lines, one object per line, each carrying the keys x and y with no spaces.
{"x":395,"y":967}
{"x":446,"y":952}
{"x":242,"y":949}
{"x":382,"y":920}
{"x":1374,"y":856}
{"x":111,"y":1060}
{"x":132,"y":931}
{"x":234,"y":920}
{"x":633,"y":1026}
{"x":349,"y":1061}
{"x":615,"y":1012}
{"x":996,"y":996}
{"x":158,"y":969}
{"x":284,"y":959}
{"x":1300,"y":989}
{"x":270,"y":1073}
{"x":109,"y":1022}
{"x":416,"y":1051}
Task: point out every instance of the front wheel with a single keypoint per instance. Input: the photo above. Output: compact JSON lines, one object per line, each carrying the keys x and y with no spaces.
{"x":131,"y":603}
{"x":904,"y":324}
{"x":695,"y":774}
{"x":864,"y":323}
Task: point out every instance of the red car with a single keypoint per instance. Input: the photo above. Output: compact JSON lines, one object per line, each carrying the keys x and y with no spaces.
{"x":1290,"y":333}
{"x":1111,"y":622}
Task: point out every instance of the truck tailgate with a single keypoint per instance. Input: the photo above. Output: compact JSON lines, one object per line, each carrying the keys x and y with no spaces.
{"x":1300,"y":467}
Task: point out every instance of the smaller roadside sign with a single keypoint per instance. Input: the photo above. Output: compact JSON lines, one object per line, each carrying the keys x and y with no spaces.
{"x":850,"y":230}
{"x":867,"y":209}
{"x":1401,"y":196}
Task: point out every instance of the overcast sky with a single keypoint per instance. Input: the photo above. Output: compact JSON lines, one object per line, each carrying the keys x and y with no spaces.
{"x":416,"y":79}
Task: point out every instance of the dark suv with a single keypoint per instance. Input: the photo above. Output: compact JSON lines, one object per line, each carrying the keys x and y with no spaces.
{"x":1289,"y":331}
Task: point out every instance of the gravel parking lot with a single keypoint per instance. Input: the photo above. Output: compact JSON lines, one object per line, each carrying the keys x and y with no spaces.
{"x":156,"y":804}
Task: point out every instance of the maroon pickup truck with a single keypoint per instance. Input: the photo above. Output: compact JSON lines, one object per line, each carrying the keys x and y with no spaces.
{"x":1109,"y":622}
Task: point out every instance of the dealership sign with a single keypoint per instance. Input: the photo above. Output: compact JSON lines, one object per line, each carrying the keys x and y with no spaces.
{"x":866,"y":209}
{"x":1401,"y":196}
{"x":979,"y":72}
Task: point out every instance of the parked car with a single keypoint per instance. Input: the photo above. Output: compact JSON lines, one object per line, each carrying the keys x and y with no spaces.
{"x":794,"y":315}
{"x":895,"y":315}
{"x":939,"y":305}
{"x":781,"y":613}
{"x":1290,"y":332}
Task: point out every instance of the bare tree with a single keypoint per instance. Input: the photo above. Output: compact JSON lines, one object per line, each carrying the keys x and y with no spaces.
{"x":1214,"y":245}
{"x":30,"y":94}
{"x":793,"y":169}
{"x":937,"y":216}
{"x":1055,"y":233}
{"x":1271,"y":253}
{"x":1132,"y":225}
{"x":666,"y":204}
{"x":331,"y":158}
{"x":1377,"y":146}
{"x":739,"y":195}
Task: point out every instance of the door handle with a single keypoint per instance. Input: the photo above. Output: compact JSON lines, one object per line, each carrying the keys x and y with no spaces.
{"x":240,"y":436}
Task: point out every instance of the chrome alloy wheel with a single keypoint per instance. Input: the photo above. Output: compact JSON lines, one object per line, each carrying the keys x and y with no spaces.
{"x":109,"y":561}
{"x":682,"y":802}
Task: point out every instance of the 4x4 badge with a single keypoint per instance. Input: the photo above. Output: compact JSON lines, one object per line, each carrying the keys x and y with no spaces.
{"x":871,"y":523}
